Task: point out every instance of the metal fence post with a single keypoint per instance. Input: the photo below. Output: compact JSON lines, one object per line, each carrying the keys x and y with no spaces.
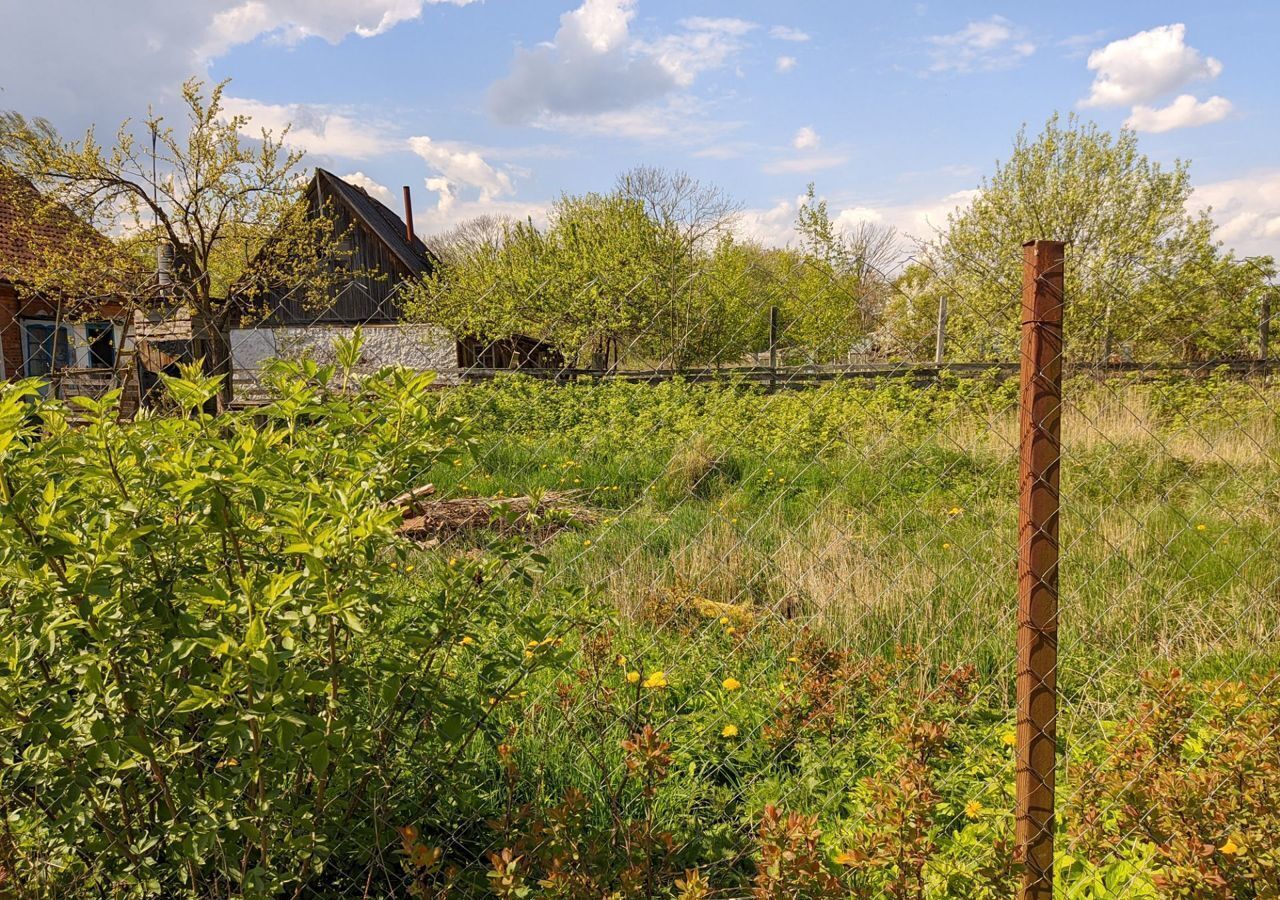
{"x":940,"y":336}
{"x":1037,"y":642}
{"x":773,"y":348}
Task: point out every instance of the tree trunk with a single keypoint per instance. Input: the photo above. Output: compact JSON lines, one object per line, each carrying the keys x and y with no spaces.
{"x":218,"y":361}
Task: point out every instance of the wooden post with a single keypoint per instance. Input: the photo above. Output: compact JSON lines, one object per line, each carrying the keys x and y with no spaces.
{"x":1037,"y":642}
{"x":1264,"y":328}
{"x":773,"y":347}
{"x":940,"y":342}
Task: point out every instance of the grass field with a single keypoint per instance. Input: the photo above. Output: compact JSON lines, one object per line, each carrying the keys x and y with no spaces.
{"x":844,"y":559}
{"x":764,"y":646}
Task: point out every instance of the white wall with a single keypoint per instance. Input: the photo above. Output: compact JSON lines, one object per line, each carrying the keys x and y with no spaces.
{"x":422,"y":347}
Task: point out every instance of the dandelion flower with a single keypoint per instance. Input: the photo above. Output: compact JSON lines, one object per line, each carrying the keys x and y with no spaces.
{"x":724,"y":620}
{"x":793,"y":659}
{"x":973,"y":809}
{"x":621,"y":660}
{"x":656,"y":680}
{"x":731,"y":684}
{"x":729,"y":731}
{"x":946,"y":546}
{"x":954,"y":511}
{"x":633,"y":677}
{"x":587,"y":542}
{"x":466,"y":640}
{"x":730,"y":630}
{"x":1201,"y":527}
{"x":1009,"y":738}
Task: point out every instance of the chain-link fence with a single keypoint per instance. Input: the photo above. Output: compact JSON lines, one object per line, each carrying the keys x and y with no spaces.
{"x":777,"y":577}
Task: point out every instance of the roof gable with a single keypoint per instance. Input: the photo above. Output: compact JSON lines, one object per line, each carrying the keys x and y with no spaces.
{"x":384,"y":224}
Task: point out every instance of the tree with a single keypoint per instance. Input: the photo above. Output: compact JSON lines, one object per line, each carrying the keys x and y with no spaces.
{"x":589,"y":283}
{"x":860,"y":259}
{"x":220,"y":205}
{"x":470,"y":237}
{"x":695,"y":219}
{"x":1134,"y":249}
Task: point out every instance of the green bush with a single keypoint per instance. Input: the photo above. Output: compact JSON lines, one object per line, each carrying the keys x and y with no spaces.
{"x":211,"y":682}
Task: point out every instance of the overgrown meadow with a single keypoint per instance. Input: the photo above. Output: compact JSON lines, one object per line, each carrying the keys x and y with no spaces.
{"x":764,"y":647}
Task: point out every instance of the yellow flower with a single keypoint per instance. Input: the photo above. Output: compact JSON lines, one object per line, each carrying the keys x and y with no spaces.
{"x":587,"y":542}
{"x":633,"y":677}
{"x":1009,"y":738}
{"x":408,"y":568}
{"x":1231,"y":848}
{"x":729,"y":731}
{"x":1201,"y":527}
{"x":724,"y":620}
{"x":954,"y":511}
{"x":656,"y":680}
{"x":467,"y":640}
{"x":946,"y":546}
{"x":793,"y":659}
{"x":731,"y":684}
{"x":973,"y":809}
{"x":730,"y":630}
{"x":621,"y":660}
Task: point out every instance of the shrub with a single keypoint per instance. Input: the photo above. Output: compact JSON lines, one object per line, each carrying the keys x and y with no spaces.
{"x":211,"y":682}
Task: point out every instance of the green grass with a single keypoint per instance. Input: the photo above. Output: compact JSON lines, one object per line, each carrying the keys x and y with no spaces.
{"x":735,"y":527}
{"x":1168,"y":532}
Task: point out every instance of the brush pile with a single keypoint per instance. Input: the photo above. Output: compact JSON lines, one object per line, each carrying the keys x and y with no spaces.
{"x":539,"y":516}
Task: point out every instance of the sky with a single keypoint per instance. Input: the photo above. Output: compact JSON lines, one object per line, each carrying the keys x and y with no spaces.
{"x":894,"y":110}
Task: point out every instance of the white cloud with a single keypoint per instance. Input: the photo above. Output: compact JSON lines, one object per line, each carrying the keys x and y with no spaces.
{"x":785,"y":64}
{"x":914,"y":221}
{"x":315,"y":129}
{"x":680,"y":118}
{"x":1246,"y":210}
{"x":1184,"y":112}
{"x":802,"y":165}
{"x":371,"y":187}
{"x":1145,"y":66}
{"x":773,"y":227}
{"x":594,"y":67}
{"x":787,"y":33}
{"x":459,"y":168}
{"x":806,"y":139}
{"x":291,"y":21}
{"x":112,"y":59}
{"x":994,"y":43}
{"x":848,"y":219}
{"x":703,"y":45}
{"x":435,"y":219}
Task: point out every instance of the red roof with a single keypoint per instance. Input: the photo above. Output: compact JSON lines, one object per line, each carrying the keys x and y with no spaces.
{"x":22,"y":224}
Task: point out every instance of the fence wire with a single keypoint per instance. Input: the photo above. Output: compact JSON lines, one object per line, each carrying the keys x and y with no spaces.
{"x":736,"y":620}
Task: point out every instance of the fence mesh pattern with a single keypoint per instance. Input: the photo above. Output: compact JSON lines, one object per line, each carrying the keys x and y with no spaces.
{"x":899,"y":594}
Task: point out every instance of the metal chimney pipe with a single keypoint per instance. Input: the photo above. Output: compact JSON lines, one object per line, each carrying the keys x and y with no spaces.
{"x":408,"y":216}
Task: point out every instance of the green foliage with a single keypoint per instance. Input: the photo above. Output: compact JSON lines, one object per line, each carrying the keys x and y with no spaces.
{"x":1144,"y":278}
{"x":213,"y":680}
{"x":610,"y":278}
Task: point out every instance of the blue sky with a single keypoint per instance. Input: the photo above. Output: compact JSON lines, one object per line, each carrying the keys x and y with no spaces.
{"x":894,"y":110}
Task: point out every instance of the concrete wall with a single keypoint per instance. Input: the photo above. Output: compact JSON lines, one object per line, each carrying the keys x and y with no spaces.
{"x":423,"y":347}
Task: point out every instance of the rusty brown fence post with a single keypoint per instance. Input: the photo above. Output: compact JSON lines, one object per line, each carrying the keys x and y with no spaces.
{"x":1041,"y":427}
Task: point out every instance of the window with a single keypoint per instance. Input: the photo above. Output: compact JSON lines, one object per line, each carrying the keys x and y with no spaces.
{"x":44,"y":353}
{"x":101,"y":337}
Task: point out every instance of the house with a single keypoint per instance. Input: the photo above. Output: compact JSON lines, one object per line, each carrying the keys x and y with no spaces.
{"x":77,"y":346}
{"x":384,"y":256}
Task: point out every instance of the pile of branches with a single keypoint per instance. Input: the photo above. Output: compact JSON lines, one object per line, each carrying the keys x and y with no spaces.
{"x":538,"y":516}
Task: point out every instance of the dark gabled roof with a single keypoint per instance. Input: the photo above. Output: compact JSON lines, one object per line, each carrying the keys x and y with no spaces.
{"x":384,"y":223}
